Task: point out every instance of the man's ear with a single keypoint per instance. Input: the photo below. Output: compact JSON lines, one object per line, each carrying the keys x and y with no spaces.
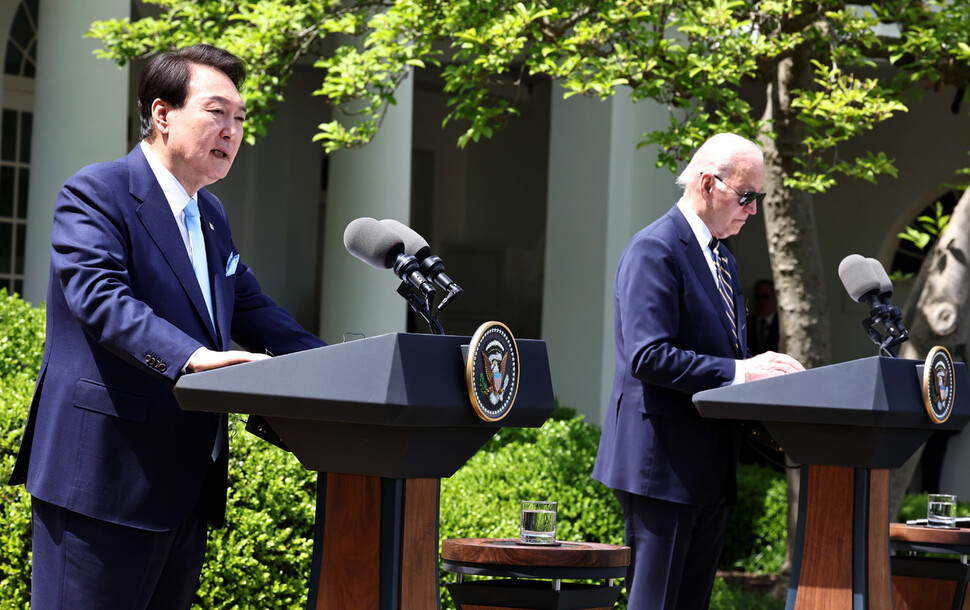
{"x":707,"y":183}
{"x":160,"y":118}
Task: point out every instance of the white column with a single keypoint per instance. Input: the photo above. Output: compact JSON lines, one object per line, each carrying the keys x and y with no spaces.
{"x":601,"y":192}
{"x":80,"y":117}
{"x":373,"y":181}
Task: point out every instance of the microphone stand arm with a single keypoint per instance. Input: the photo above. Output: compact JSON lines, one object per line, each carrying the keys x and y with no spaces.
{"x":890,"y":318}
{"x":421,"y":306}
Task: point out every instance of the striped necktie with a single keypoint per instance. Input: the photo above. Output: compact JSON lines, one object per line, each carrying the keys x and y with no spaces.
{"x":724,"y":287}
{"x":193,"y":225}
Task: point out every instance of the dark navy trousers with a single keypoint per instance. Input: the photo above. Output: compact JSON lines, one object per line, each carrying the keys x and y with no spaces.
{"x":674,"y":550}
{"x":81,"y":563}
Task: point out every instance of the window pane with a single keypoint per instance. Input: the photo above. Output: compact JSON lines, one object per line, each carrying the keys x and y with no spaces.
{"x":22,"y":29}
{"x":18,"y":286}
{"x":26,"y":128}
{"x":8,"y":148}
{"x":6,"y":244}
{"x":11,"y":64}
{"x":22,"y":193}
{"x":6,"y":191}
{"x":18,"y":267}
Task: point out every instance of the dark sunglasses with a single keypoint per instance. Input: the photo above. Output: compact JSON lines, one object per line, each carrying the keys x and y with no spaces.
{"x":745,"y":197}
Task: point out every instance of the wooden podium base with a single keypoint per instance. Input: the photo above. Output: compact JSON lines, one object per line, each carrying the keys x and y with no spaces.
{"x":376,"y":543}
{"x":842,"y":546}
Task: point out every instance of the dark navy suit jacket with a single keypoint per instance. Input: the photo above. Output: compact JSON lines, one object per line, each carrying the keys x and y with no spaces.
{"x":105,"y":436}
{"x":672,"y":338}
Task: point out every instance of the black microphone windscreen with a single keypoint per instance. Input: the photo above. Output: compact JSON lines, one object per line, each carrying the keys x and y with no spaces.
{"x":414,"y":244}
{"x":885,"y":284}
{"x":372,"y":242}
{"x":858,"y":277}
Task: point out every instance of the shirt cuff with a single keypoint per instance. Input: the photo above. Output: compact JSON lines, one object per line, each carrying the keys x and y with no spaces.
{"x":186,"y":365}
{"x":738,"y":372}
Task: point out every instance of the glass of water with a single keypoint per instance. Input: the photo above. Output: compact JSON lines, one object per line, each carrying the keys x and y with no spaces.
{"x":538,"y":525}
{"x":941,"y":511}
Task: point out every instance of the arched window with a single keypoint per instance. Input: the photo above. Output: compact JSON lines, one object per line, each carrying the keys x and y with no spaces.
{"x":20,"y":68}
{"x":911,"y":251}
{"x":21,"y":58}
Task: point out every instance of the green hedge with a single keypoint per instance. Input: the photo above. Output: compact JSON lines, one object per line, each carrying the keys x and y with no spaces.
{"x":21,"y":336}
{"x":261,"y":559}
{"x":15,"y":393}
{"x":21,"y":348}
{"x":550,"y":463}
{"x":758,"y":523}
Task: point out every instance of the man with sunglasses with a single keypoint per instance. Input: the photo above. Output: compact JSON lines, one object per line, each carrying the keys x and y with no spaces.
{"x":679,"y":327}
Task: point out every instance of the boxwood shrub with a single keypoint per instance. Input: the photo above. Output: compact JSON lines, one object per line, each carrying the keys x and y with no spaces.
{"x":21,"y":348}
{"x":758,"y":523}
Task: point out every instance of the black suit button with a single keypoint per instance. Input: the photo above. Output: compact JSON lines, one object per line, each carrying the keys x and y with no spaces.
{"x":162,"y":367}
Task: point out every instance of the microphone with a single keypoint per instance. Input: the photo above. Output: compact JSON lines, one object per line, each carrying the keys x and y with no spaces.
{"x":866,"y":281}
{"x":381,"y":248}
{"x":895,"y":323}
{"x":371,"y":243}
{"x":431,"y":266}
{"x":414,"y":244}
{"x":860,"y":278}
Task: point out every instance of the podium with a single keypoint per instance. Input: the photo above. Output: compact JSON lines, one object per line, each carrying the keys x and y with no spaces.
{"x":381,"y":420}
{"x":847,"y":425}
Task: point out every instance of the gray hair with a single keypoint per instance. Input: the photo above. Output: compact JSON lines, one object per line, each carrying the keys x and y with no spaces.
{"x":718,"y":155}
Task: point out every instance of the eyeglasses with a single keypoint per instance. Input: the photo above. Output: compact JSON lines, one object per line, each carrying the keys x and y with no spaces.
{"x":747,"y":196}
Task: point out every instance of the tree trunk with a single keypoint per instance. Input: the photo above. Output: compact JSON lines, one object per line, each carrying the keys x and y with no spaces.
{"x":937,"y":312}
{"x":793,"y":246}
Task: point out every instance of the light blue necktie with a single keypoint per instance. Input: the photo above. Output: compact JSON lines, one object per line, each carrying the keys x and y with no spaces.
{"x":193,"y":224}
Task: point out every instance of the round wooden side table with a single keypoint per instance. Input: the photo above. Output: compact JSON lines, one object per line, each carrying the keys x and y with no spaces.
{"x":531,"y":576}
{"x":921,"y":581}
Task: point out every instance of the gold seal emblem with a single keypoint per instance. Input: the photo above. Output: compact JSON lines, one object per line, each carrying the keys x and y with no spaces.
{"x":938,"y":386}
{"x":492,"y":371}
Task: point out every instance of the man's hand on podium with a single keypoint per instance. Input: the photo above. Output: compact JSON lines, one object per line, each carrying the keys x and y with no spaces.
{"x":205,"y":359}
{"x":770,"y":364}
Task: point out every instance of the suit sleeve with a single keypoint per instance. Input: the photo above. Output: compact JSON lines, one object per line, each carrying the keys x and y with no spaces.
{"x":90,"y":258}
{"x":671,"y":336}
{"x":259,"y":324}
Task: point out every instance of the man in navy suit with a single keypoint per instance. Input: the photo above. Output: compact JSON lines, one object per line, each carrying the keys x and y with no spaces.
{"x":123,"y":481}
{"x":679,"y":318}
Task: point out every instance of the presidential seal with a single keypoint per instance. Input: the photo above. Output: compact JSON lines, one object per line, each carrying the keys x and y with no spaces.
{"x":492,"y":371}
{"x":938,"y":384}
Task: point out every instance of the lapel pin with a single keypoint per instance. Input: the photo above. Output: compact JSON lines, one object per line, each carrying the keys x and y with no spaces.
{"x":211,"y":228}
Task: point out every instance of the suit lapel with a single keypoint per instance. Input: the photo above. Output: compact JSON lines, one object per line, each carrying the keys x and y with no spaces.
{"x":157,"y":218}
{"x":702,"y":270}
